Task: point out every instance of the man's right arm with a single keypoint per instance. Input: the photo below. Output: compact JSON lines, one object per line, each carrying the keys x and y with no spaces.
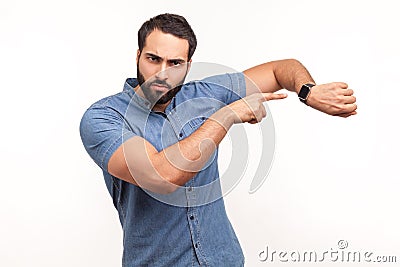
{"x":138,"y":162}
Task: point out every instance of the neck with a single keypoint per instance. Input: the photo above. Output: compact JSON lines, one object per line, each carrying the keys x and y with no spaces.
{"x":160,"y":107}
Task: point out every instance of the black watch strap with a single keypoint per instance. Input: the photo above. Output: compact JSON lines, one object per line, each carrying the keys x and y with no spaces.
{"x":305,"y":92}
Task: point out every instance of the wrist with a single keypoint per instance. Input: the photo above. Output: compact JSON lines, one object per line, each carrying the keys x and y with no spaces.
{"x":225,"y":116}
{"x":305,"y":92}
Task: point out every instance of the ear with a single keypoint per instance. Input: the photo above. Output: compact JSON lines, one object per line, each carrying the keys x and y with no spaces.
{"x":137,"y":56}
{"x":189,"y":63}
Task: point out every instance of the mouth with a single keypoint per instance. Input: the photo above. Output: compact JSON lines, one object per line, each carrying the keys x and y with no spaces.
{"x":159,"y":87}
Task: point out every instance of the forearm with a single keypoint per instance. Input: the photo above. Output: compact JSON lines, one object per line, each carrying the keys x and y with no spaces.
{"x":291,"y":74}
{"x":180,"y":162}
{"x":275,"y":75}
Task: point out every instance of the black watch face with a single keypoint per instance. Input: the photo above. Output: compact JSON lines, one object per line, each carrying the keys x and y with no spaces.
{"x":304,"y":92}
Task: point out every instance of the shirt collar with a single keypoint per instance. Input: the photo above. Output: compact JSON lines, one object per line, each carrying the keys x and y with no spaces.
{"x":129,"y":87}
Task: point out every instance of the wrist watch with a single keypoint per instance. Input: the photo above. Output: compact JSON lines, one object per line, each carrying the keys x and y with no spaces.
{"x":305,"y":92}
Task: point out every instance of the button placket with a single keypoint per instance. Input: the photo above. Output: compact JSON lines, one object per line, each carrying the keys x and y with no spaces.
{"x":191,"y":196}
{"x":176,"y":124}
{"x":191,"y":213}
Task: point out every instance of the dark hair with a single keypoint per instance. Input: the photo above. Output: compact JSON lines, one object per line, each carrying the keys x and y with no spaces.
{"x":168,"y":23}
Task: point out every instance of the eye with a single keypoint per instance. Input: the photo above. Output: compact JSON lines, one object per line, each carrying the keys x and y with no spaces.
{"x":153,"y":59}
{"x":176,"y":62}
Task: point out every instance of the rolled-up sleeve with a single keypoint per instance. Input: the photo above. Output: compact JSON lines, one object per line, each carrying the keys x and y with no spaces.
{"x":228,"y":87}
{"x":102,"y":131}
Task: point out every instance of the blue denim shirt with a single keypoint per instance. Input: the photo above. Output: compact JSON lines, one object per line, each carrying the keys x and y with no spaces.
{"x":189,"y":227}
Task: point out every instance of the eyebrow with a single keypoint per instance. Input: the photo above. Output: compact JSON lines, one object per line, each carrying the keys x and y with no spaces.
{"x":180,"y":60}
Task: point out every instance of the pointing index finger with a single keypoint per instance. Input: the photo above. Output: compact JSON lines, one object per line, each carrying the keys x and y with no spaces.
{"x":272,"y":96}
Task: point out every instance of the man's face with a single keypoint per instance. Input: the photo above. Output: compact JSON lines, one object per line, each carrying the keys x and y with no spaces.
{"x":162,"y":66}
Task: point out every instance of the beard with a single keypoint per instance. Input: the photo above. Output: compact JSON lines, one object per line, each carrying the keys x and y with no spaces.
{"x":157,"y":98}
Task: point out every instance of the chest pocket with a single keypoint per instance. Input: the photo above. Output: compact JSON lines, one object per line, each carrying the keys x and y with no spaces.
{"x":197,"y":122}
{"x":194,"y":123}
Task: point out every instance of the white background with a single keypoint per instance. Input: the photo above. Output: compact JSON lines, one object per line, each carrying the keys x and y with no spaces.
{"x":332,"y":178}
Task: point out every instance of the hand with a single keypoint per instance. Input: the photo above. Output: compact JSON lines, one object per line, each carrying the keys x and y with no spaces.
{"x":251,"y":109}
{"x":333,"y":98}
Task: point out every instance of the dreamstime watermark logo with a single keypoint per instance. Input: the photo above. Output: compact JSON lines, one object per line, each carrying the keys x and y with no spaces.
{"x":206,"y":90}
{"x":340,"y":254}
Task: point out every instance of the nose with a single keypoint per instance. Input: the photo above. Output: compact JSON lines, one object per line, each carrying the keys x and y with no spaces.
{"x":162,"y":74}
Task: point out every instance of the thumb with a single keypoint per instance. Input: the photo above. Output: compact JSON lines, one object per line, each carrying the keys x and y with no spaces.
{"x":271,"y":96}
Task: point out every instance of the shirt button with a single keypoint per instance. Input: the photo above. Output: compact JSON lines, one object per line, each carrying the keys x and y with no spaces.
{"x":196,"y":246}
{"x":190,"y":189}
{"x":180,"y":134}
{"x":191,"y":217}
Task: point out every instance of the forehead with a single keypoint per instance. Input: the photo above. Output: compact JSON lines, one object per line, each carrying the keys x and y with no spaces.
{"x":166,"y":45}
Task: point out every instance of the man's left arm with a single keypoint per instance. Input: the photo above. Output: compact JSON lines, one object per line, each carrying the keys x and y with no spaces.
{"x":332,"y":98}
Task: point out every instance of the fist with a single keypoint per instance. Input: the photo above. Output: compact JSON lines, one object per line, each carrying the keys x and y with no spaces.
{"x":333,"y":99}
